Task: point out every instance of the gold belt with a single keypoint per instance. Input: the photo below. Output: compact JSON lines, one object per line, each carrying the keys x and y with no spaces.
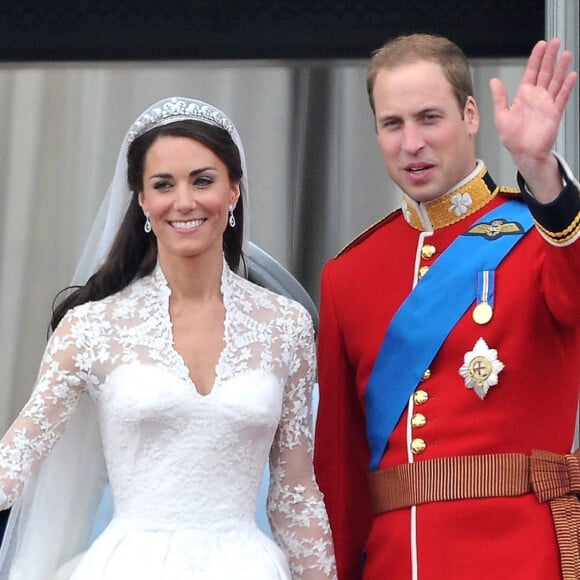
{"x":553,"y":478}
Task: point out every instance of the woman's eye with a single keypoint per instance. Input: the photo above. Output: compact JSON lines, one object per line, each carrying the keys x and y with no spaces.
{"x":203,"y":181}
{"x":161,"y":185}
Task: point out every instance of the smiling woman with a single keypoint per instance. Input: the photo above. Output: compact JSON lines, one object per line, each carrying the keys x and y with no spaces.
{"x":194,"y":373}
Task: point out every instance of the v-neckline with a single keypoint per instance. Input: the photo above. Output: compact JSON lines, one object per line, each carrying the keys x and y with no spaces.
{"x":185,"y":372}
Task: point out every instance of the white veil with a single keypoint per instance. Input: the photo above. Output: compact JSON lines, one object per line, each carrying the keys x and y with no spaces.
{"x":51,"y":522}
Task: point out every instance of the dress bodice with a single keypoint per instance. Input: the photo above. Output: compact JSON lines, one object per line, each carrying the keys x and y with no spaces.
{"x":196,"y":460}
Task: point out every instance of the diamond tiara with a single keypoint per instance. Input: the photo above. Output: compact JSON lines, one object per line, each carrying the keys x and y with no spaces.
{"x":178,"y":110}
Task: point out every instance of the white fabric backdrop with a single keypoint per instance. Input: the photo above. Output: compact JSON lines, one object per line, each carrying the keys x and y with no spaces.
{"x":315,"y":171}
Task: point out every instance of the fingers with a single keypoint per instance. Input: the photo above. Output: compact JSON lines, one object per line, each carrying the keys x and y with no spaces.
{"x":534,"y":63}
{"x":560,"y":73}
{"x":499,"y":95}
{"x":563,"y":94}
{"x":554,"y":71}
{"x":548,"y":63}
{"x":546,"y":70}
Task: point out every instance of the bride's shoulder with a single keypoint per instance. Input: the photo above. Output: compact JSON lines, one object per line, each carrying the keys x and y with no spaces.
{"x":105,"y":310}
{"x":278,"y":304}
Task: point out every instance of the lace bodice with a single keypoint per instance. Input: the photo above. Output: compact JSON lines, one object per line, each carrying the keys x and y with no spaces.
{"x":175,"y":458}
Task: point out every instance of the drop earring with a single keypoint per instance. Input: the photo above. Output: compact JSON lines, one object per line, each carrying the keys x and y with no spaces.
{"x":232,"y":220}
{"x":147,"y":225}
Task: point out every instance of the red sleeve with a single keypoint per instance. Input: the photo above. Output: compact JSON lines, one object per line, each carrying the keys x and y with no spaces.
{"x":341,"y":455}
{"x":558,"y":222}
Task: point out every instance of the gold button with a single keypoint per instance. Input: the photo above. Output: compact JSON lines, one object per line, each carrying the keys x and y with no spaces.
{"x":420,"y":397}
{"x":426,"y":375}
{"x":418,"y":420}
{"x":422,"y":271}
{"x":428,"y":251}
{"x":418,"y":445}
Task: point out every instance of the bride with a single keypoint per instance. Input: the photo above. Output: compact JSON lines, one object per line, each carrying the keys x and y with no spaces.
{"x":175,"y":377}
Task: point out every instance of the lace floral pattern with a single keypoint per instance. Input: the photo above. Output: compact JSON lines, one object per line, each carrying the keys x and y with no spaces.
{"x":196,"y":460}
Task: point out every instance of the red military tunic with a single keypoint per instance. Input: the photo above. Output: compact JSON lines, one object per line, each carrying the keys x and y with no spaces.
{"x":536,"y":331}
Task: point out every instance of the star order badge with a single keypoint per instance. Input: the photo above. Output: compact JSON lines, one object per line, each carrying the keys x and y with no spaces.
{"x":481,"y":368}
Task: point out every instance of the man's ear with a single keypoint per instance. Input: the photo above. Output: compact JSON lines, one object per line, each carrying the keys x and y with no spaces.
{"x":471,"y":115}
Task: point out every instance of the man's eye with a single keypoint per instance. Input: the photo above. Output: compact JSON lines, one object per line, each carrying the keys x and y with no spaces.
{"x":390,"y":124}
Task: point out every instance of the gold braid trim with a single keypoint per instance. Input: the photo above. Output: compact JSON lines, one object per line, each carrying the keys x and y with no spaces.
{"x":564,"y":236}
{"x":454,"y":206}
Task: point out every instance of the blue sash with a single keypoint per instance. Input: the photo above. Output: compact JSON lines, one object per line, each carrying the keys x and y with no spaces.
{"x":423,"y":321}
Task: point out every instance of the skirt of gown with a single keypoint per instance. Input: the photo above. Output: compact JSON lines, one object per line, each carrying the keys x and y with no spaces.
{"x":124,"y":551}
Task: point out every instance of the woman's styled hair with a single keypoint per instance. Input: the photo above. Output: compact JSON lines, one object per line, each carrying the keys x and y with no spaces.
{"x":133,"y":253}
{"x":412,"y":48}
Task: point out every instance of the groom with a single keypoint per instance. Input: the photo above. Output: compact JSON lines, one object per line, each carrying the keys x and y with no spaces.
{"x":478,"y":286}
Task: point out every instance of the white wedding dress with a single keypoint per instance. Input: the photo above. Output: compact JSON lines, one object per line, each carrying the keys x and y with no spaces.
{"x":185,"y":468}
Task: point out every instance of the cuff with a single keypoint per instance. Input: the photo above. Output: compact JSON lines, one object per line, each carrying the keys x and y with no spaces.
{"x":559,"y":220}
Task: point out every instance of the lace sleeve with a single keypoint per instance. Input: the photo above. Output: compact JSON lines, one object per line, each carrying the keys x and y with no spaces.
{"x":295,"y":504}
{"x":44,"y":417}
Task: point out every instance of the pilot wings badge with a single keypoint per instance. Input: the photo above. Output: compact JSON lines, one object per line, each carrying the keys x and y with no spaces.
{"x":481,"y":368}
{"x":495,"y":229}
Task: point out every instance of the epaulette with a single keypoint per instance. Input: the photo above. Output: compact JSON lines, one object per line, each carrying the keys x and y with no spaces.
{"x":510,"y":191}
{"x":369,"y":232}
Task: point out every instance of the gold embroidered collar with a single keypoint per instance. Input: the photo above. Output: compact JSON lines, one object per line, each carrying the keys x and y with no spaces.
{"x":470,"y":195}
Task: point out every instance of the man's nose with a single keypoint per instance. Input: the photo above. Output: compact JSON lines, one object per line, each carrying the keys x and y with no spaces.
{"x":412,"y":138}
